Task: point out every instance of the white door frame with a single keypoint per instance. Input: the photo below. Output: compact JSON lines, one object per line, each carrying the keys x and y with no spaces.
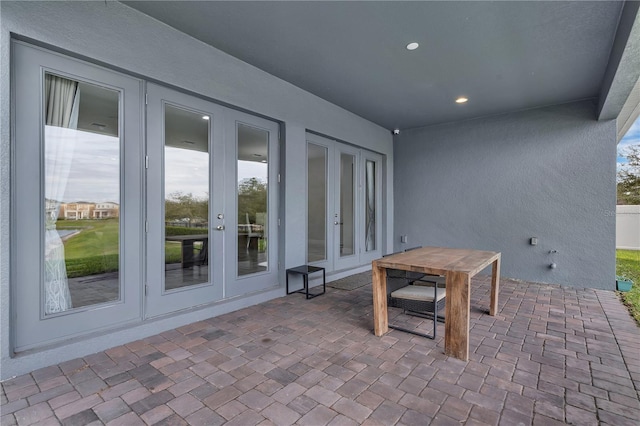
{"x":32,"y":327}
{"x":225,"y":281}
{"x":236,"y":284}
{"x":333,"y":260}
{"x":160,"y":301}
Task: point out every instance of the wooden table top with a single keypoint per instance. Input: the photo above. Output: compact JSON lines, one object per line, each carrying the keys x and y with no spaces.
{"x":439,"y":260}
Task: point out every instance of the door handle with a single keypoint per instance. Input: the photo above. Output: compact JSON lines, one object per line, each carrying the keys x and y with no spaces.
{"x":220,"y":228}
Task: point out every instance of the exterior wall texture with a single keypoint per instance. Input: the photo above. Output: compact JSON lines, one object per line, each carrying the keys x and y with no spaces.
{"x":496,"y":182}
{"x":114,"y":34}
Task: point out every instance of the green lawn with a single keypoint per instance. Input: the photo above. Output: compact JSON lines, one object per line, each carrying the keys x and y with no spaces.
{"x":97,"y":238}
{"x":95,"y":249}
{"x":92,"y":251}
{"x":628,"y":265}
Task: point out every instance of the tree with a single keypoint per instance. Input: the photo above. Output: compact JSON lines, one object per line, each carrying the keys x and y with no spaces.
{"x":252,"y":199}
{"x":629,"y":177}
{"x":186,"y":208}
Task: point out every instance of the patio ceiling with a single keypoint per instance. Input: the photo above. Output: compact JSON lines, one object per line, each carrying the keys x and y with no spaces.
{"x":502,"y":56}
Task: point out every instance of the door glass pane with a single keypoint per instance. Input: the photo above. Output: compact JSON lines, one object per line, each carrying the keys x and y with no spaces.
{"x":370,"y":206}
{"x":186,"y":197}
{"x":347,"y":204}
{"x":316,"y":203}
{"x":253,"y":188}
{"x":82,"y":195}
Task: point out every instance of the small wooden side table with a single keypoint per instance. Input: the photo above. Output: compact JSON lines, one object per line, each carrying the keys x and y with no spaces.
{"x":305,"y":270}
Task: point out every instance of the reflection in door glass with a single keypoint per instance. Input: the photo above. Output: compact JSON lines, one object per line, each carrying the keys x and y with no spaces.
{"x":370,"y":206}
{"x":316,"y":203}
{"x":82,"y":195}
{"x":347,"y":228}
{"x":253,"y":191}
{"x":186,"y":204}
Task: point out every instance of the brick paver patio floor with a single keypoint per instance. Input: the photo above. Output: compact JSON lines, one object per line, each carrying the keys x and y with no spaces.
{"x":553,"y":355}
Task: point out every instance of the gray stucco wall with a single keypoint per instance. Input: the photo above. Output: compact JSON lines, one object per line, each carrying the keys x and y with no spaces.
{"x":114,"y":34}
{"x":494,"y":183}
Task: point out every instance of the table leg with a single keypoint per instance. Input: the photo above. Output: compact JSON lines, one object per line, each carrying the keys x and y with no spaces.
{"x":187,"y":253}
{"x":495,"y":286}
{"x":380,"y":319}
{"x":324,"y":282}
{"x":457,"y":306}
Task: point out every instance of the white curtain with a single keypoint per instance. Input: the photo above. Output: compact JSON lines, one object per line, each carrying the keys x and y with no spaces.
{"x":62,"y":97}
{"x":370,"y":217}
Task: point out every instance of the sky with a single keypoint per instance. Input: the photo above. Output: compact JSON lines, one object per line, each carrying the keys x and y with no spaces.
{"x":187,"y":171}
{"x":631,"y":138}
{"x":81,"y":166}
{"x":84,"y":166}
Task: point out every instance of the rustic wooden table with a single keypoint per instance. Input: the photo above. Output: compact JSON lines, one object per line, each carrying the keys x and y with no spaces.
{"x":457,"y":266}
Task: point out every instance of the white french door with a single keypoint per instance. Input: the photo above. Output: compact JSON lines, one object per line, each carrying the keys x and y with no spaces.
{"x":77,"y":248}
{"x":251,"y":203}
{"x":371,"y":201}
{"x":344,"y":208}
{"x":211,"y":201}
{"x":110,"y":227}
{"x":347,"y":208}
{"x":185,"y":183}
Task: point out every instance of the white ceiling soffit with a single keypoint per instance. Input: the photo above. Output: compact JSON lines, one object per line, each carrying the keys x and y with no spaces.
{"x":630,"y":112}
{"x":502,"y":56}
{"x":620,"y":93}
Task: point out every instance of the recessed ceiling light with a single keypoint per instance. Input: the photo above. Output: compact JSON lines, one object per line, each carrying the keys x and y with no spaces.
{"x":461,"y":100}
{"x":412,"y":46}
{"x":205,"y":117}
